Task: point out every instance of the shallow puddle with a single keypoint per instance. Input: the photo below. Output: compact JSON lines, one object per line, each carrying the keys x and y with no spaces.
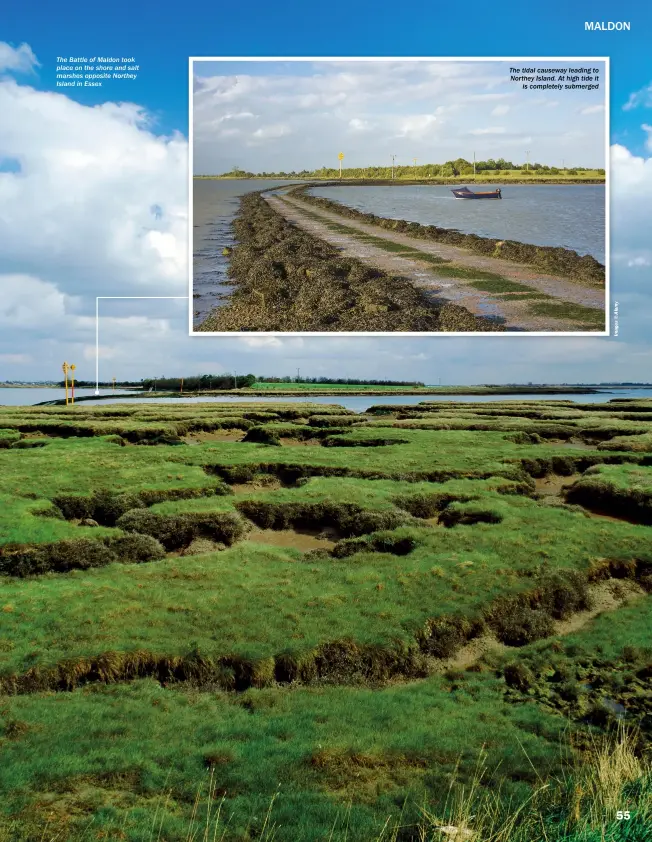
{"x":573,"y":444}
{"x":553,"y":485}
{"x":216,"y":435}
{"x":304,"y":540}
{"x":251,"y":487}
{"x":602,"y":515}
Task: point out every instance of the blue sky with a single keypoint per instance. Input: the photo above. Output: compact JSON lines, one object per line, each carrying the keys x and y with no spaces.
{"x":80,"y":218}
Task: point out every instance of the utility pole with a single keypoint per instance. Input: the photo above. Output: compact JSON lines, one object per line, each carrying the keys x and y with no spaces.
{"x":235,"y":379}
{"x":527,"y":166}
{"x":298,"y":374}
{"x":415,"y":164}
{"x":393,"y":159}
{"x":474,"y":166}
{"x":113,"y":380}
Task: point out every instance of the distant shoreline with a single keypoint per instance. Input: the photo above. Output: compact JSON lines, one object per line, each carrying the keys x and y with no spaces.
{"x":451,"y":391}
{"x":379,"y":182}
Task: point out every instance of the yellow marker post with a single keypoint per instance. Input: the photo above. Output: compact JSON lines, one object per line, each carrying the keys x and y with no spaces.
{"x":72,"y":382}
{"x":181,"y":389}
{"x":64,"y":368}
{"x":341,"y":158}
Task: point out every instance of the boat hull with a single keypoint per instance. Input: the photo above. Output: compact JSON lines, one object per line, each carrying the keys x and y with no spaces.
{"x":465,"y":193}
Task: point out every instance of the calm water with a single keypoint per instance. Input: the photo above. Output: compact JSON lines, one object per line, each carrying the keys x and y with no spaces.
{"x":27,"y":396}
{"x":18,"y":397}
{"x":215,"y":203}
{"x":568,"y":215}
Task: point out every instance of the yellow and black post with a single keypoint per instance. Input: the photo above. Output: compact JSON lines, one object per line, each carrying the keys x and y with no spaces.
{"x":64,"y":368}
{"x":72,"y":382}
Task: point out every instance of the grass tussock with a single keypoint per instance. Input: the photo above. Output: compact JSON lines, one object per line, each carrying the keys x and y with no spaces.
{"x":106,"y":507}
{"x":79,"y":554}
{"x":178,"y":531}
{"x":622,"y":491}
{"x":348,"y":519}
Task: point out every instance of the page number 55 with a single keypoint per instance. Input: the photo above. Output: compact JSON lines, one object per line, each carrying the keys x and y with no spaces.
{"x":623,"y":815}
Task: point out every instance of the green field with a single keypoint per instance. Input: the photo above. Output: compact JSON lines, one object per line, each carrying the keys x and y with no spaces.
{"x":264,"y":386}
{"x":293,"y":622}
{"x":420,"y":175}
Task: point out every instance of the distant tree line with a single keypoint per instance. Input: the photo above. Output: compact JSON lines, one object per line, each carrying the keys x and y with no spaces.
{"x":217,"y":382}
{"x":339,"y":381}
{"x":449,"y":169}
{"x":199,"y":383}
{"x":194,"y":383}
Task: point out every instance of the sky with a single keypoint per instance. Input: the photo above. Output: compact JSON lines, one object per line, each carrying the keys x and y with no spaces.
{"x":94,"y":188}
{"x":294,"y":115}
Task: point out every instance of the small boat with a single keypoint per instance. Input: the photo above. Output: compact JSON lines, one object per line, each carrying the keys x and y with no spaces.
{"x":465,"y":193}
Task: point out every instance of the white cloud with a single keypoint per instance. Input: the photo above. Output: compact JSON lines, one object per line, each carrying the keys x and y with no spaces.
{"x":17,"y":59}
{"x":29,"y":303}
{"x":641,"y":97}
{"x":592,"y":109}
{"x":648,"y":141}
{"x":263,"y":341}
{"x":88,"y":182}
{"x":272,"y":132}
{"x":16,"y":359}
{"x":370,"y":109}
{"x":631,"y":184}
{"x":226,"y":118}
{"x":418,"y":126}
{"x":489,"y":130}
{"x":358,"y":125}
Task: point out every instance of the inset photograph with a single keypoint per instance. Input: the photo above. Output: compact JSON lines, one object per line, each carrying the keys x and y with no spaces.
{"x":411,"y":196}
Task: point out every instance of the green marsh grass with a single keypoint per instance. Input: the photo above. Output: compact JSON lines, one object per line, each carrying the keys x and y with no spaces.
{"x":168,"y":698}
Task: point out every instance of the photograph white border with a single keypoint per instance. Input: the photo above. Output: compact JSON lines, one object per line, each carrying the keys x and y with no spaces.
{"x":423,"y":334}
